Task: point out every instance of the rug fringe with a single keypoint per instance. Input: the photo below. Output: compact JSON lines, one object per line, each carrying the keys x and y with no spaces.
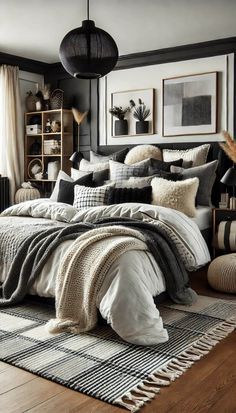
{"x":175,"y":367}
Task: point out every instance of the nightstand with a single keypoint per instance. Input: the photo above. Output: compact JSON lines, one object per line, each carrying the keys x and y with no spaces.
{"x":219,"y":215}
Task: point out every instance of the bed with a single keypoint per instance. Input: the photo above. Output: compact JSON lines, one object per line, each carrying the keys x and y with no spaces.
{"x":126,"y":297}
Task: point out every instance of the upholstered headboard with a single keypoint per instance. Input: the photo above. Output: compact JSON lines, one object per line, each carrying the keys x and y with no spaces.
{"x":215,"y":152}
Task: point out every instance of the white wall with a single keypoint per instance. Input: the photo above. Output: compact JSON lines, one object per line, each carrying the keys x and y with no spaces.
{"x":151,"y":77}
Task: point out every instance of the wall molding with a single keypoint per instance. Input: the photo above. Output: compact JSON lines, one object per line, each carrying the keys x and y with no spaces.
{"x":178,"y":53}
{"x":28,"y":65}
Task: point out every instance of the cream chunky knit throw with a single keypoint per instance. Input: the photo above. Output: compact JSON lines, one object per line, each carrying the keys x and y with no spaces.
{"x":82,"y":272}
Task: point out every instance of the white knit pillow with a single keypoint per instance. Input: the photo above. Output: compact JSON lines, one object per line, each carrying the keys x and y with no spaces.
{"x":141,"y":152}
{"x":178,"y":195}
{"x":92,"y":167}
{"x":197,"y":155}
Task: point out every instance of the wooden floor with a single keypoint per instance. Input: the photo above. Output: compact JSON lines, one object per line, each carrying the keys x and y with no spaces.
{"x":208,"y":387}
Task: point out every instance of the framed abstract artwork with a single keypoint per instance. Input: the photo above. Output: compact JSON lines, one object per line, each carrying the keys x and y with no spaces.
{"x":189,"y":105}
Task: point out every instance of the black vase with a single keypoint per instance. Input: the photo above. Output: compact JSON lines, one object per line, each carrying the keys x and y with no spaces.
{"x":35,"y":148}
{"x":121,"y":127}
{"x":142,"y":126}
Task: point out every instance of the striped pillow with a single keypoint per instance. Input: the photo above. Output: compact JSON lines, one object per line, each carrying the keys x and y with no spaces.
{"x":87,"y":197}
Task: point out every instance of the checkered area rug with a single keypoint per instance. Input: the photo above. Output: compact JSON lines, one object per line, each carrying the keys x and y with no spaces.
{"x":100,"y":363}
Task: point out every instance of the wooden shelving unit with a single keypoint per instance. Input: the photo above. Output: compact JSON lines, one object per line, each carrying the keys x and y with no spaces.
{"x":64,"y":138}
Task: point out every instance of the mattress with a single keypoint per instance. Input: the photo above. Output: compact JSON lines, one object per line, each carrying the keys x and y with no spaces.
{"x":203,"y":217}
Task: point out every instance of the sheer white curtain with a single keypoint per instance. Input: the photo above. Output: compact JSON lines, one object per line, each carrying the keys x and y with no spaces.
{"x":11,"y":128}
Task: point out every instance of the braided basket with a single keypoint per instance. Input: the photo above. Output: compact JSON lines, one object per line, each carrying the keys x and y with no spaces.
{"x":56,"y":99}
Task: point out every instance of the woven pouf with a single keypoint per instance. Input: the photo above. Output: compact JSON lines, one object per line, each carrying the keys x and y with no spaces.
{"x":25,"y":194}
{"x":222,"y":273}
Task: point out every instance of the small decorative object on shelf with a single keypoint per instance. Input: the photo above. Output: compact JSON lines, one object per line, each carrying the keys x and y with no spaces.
{"x":30,"y":101}
{"x":121,"y":125}
{"x":53,"y":170}
{"x":48,"y":126}
{"x":35,"y":167}
{"x":56,"y":99}
{"x":56,"y":126}
{"x":140,"y":113}
{"x":35,"y":148}
{"x":33,"y":129}
{"x":46,"y":96}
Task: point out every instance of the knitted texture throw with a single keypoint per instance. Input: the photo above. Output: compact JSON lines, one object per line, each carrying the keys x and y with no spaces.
{"x":83,"y":271}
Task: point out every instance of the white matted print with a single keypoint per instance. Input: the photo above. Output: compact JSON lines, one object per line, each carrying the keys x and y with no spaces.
{"x":190,"y":104}
{"x":122,"y":99}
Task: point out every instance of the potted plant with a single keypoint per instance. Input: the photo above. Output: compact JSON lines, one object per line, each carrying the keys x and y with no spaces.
{"x":141,"y":113}
{"x":121,"y":125}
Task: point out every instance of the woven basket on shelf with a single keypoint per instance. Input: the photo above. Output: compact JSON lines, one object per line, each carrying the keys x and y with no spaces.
{"x":56,"y":99}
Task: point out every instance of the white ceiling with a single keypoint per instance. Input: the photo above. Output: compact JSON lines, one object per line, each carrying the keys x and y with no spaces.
{"x":35,"y":28}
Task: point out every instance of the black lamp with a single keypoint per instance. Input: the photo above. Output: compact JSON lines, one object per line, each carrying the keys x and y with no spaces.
{"x":229,"y":179}
{"x":88,"y":52}
{"x":76,"y":157}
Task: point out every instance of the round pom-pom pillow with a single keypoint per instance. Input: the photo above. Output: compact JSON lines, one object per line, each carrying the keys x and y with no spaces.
{"x":141,"y":152}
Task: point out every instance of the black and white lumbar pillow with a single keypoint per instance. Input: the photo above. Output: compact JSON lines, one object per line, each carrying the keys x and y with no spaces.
{"x":120,"y":171}
{"x":87,"y":197}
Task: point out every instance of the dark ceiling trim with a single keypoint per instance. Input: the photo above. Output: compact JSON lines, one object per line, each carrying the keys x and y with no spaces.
{"x":171,"y":54}
{"x":178,"y":53}
{"x":28,"y":65}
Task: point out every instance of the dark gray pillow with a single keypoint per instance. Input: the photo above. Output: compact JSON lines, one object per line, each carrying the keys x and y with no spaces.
{"x":141,"y":182}
{"x":100,"y":177}
{"x":122,"y":195}
{"x":163,"y":166}
{"x":118,"y":156}
{"x":206,"y":174}
{"x":66,"y":189}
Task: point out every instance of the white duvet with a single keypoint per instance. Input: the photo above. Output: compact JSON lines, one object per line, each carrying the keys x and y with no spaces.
{"x":126,"y":297}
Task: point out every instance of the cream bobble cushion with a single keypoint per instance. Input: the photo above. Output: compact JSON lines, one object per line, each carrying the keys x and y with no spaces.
{"x":142,"y":152}
{"x":178,"y":195}
{"x":222,"y":273}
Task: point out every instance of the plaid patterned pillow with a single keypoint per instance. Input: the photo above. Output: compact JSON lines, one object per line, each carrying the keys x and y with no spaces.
{"x":87,"y":197}
{"x":120,"y":171}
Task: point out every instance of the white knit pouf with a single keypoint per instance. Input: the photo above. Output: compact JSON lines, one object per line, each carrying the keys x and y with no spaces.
{"x":24,"y":194}
{"x":222,"y":273}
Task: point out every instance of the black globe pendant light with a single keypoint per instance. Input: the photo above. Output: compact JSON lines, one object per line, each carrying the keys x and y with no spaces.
{"x":88,"y":52}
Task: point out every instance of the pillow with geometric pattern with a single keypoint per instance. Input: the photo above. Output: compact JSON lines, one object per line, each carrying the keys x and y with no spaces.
{"x":120,"y":171}
{"x":87,"y":197}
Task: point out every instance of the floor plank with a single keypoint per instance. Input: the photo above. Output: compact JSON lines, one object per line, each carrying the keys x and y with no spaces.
{"x":14,"y":377}
{"x":4,"y":366}
{"x":28,"y":395}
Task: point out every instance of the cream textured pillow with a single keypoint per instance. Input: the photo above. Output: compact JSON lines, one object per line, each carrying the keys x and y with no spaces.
{"x":76,"y":174}
{"x":197,"y":155}
{"x":141,"y":152}
{"x":178,"y":195}
{"x":92,"y":167}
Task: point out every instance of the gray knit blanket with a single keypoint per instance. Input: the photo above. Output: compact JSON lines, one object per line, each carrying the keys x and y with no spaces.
{"x":35,"y":250}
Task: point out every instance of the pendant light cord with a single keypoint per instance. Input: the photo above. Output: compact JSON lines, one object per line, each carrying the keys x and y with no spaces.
{"x":87,"y":9}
